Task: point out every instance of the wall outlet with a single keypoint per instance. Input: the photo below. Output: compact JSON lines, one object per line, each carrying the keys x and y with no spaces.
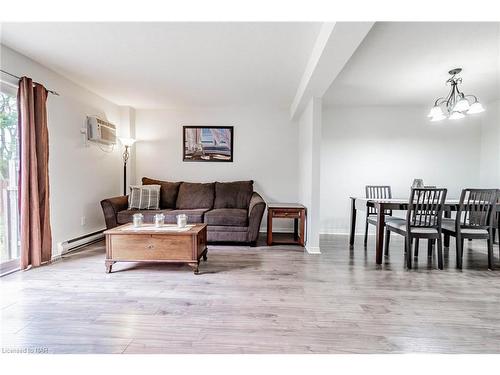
{"x":82,"y":221}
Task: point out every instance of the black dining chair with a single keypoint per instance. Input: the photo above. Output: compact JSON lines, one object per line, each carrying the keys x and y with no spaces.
{"x":474,"y":220}
{"x":423,"y":220}
{"x":429,"y":247}
{"x":375,"y":192}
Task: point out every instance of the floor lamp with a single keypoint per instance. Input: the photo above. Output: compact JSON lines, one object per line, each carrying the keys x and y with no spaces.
{"x":127,"y":142}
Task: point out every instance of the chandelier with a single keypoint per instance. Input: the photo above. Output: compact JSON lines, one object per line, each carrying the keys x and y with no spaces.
{"x":456,"y":105}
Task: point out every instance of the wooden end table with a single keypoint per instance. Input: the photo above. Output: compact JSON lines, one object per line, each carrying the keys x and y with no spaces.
{"x":150,"y":244}
{"x":294,"y":211}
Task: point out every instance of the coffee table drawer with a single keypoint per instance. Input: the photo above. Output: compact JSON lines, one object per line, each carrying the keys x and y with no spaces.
{"x":151,"y":247}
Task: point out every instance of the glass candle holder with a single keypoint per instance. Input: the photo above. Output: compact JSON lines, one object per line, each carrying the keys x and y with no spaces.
{"x":159,"y":220}
{"x":181,"y":220}
{"x":418,"y":183}
{"x":137,"y":220}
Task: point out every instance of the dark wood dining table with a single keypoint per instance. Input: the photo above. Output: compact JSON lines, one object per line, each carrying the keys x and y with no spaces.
{"x":382,"y":206}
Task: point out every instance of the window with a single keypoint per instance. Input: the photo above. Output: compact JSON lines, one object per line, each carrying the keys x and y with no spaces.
{"x":9,"y":167}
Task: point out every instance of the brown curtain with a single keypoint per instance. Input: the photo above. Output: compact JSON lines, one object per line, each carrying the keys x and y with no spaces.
{"x":35,"y":232}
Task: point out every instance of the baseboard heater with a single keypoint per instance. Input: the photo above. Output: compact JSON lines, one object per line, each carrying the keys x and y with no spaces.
{"x":75,"y":244}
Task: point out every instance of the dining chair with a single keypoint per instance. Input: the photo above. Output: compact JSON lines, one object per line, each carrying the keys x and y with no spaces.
{"x":429,"y":247}
{"x":375,"y":192}
{"x":423,"y":220}
{"x":474,"y":220}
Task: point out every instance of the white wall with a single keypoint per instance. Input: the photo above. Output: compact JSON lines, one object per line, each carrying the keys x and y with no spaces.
{"x":265,"y":149}
{"x":391,"y":146}
{"x":490,"y":146}
{"x":79,"y":176}
{"x":309,"y":169}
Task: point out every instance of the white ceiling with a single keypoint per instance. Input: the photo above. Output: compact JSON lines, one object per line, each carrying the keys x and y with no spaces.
{"x":408,"y":63}
{"x":159,"y":65}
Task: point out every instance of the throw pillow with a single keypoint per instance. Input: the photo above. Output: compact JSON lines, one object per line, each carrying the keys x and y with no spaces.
{"x":146,"y":197}
{"x":168,"y":191}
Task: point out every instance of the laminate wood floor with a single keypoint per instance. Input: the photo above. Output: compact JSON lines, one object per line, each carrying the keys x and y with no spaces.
{"x":257,"y":300}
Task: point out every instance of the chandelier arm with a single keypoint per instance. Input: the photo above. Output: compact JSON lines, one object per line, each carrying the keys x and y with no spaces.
{"x":476,"y":100}
{"x":437,"y":101}
{"x":450,"y":102}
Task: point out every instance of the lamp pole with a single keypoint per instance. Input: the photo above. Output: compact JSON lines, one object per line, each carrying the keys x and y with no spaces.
{"x":126,"y":156}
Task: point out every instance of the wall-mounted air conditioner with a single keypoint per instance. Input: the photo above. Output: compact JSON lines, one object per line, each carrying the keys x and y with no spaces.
{"x":100,"y":131}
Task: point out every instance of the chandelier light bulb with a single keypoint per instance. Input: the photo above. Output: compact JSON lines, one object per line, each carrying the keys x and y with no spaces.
{"x":455,"y":115}
{"x":476,"y":108}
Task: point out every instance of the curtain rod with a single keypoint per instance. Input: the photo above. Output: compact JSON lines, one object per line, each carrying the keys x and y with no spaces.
{"x":13,"y":75}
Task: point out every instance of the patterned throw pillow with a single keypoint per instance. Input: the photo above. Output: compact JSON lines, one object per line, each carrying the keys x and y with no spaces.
{"x":146,"y":197}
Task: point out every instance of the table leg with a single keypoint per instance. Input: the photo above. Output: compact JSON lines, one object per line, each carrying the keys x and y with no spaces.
{"x":295,"y":229}
{"x":195,"y":267}
{"x":109,"y":265}
{"x":302,"y":230}
{"x":447,"y":214}
{"x":353,"y":222}
{"x":269,"y":228}
{"x":379,"y":242}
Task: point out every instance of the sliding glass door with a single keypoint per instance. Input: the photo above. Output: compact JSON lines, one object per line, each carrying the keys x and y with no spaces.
{"x":9,"y":166}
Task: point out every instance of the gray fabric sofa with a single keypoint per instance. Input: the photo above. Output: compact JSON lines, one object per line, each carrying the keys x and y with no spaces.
{"x":232,"y":210}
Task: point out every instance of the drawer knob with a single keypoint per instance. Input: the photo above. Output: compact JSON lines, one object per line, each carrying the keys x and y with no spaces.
{"x":150,"y":246}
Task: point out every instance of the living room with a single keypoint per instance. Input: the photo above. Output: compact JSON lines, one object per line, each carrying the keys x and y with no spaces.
{"x":238,"y":186}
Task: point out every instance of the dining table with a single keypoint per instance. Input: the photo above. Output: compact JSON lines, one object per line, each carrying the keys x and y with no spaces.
{"x":382,"y":206}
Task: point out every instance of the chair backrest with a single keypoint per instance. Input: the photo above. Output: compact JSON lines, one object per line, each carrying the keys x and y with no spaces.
{"x":426,"y":207}
{"x":476,"y":208}
{"x":377,"y":192}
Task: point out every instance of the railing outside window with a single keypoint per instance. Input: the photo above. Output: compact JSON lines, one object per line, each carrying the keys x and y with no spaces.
{"x":9,"y":164}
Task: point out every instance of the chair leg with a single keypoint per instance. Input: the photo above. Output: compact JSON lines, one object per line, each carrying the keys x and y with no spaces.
{"x":408,"y":243}
{"x":459,"y":246}
{"x":366,"y":232}
{"x":440,"y":252}
{"x":430,"y":243}
{"x":387,"y":240}
{"x":416,"y":247}
{"x":446,"y":240}
{"x":490,"y":253}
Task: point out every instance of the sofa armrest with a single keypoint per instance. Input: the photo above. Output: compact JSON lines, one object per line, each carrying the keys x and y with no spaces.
{"x":111,"y":207}
{"x":255,"y":212}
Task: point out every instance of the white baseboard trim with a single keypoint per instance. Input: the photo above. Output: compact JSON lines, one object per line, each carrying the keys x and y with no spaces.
{"x":313,"y":249}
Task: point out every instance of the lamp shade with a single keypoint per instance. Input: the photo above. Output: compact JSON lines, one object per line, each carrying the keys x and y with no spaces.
{"x":456,"y":115}
{"x":127,"y":141}
{"x":476,"y":108}
{"x":435,"y":111}
{"x":438,"y":117}
{"x":461,"y":105}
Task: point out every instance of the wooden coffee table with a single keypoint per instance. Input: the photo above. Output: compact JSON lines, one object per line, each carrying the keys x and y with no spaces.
{"x":149,"y":244}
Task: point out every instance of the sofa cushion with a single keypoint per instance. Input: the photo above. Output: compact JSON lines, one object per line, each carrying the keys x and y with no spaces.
{"x":227,"y":217}
{"x":168,"y":191}
{"x":125,"y":216}
{"x":235,"y":194}
{"x":193,"y":216}
{"x":195,"y":195}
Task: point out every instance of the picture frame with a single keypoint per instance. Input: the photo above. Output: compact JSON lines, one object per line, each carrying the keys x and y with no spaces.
{"x":202,"y":143}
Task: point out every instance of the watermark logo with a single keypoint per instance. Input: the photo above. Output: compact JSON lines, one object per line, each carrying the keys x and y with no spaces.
{"x":26,"y":350}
